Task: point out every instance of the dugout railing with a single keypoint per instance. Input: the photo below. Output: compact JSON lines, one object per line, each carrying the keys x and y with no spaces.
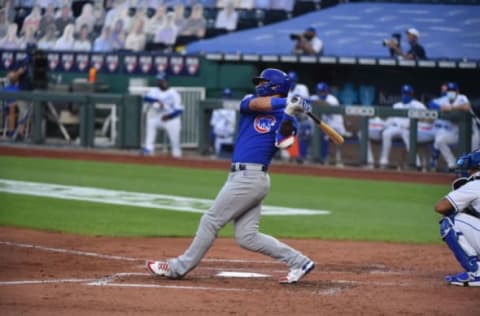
{"x":363,"y":114}
{"x":128,"y":112}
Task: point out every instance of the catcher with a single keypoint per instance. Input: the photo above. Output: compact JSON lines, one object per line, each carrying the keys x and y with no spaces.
{"x":460,"y":225}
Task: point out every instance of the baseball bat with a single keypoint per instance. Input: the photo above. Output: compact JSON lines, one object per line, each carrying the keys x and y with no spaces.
{"x":334,"y":136}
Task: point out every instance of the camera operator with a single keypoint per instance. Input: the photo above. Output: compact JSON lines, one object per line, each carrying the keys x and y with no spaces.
{"x":307,"y":43}
{"x":416,"y":50}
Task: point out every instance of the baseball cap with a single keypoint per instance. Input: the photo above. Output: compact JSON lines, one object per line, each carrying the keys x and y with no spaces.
{"x":407,"y":89}
{"x":413,"y":31}
{"x":311,"y":29}
{"x":452,"y":86}
{"x":161,"y":76}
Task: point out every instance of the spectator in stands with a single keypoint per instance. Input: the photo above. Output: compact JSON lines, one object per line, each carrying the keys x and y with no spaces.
{"x":195,"y":25}
{"x":446,"y":131}
{"x":305,"y":124}
{"x":156,"y":21}
{"x":399,"y":127}
{"x":118,"y":35}
{"x":82,"y":43}
{"x":227,"y":18}
{"x":86,"y":17}
{"x":104,"y":42}
{"x":28,"y":37}
{"x":416,"y":51}
{"x":140,"y":15}
{"x":3,"y":22}
{"x":179,"y":13}
{"x":307,"y":43}
{"x":65,"y":42}
{"x":223,"y":123}
{"x":64,"y":19}
{"x":10,"y":41}
{"x":99,"y":13}
{"x":47,"y":42}
{"x":136,"y":39}
{"x":286,"y":5}
{"x":166,"y":35}
{"x":116,"y":8}
{"x":47,"y":19}
{"x":32,"y":20}
{"x":324,"y":98}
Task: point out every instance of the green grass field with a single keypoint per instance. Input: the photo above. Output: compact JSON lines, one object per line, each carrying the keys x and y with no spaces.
{"x":361,"y":209}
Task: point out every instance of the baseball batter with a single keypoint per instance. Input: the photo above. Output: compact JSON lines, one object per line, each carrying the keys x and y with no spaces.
{"x":446,"y":132}
{"x":460,"y":226}
{"x":399,"y":127}
{"x":266,"y":124}
{"x":165,"y":108}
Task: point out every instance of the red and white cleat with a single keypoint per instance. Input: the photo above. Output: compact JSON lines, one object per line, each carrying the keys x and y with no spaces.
{"x":158,"y":268}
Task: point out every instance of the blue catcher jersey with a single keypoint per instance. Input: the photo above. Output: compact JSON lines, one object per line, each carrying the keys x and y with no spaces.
{"x":256,"y":134}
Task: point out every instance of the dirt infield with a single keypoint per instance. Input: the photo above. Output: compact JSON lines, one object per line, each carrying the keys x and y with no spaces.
{"x":44,"y":273}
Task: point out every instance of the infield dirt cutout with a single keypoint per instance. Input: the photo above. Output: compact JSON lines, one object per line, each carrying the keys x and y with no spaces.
{"x":47,"y":273}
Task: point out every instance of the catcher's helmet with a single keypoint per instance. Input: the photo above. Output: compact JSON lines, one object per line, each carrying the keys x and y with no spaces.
{"x":277,"y":82}
{"x":469,"y":161}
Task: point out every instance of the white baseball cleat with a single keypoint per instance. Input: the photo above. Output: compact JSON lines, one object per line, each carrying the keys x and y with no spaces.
{"x":296,"y":274}
{"x":158,"y":268}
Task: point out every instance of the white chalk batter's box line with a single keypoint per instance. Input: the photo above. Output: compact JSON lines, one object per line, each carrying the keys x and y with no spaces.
{"x":110,"y":280}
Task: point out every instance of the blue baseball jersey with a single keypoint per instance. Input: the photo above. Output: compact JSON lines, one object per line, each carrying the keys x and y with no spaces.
{"x":256,"y":134}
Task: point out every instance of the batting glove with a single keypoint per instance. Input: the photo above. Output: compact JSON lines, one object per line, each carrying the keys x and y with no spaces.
{"x":298,"y":104}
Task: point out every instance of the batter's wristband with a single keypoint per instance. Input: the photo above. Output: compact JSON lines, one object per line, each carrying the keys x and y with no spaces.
{"x":278,"y":103}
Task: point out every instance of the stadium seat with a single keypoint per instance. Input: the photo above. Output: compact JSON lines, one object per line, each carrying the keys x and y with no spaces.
{"x":247,"y":19}
{"x":272,"y":16}
{"x":305,"y":6}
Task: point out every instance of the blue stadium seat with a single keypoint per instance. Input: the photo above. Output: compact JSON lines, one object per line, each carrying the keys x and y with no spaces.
{"x":304,"y":6}
{"x":272,"y":16}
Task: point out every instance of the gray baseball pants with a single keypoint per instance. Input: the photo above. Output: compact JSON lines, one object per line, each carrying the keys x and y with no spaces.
{"x":239,"y":200}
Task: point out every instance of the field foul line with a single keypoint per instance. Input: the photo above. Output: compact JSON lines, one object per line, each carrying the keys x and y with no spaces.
{"x":54,"y":281}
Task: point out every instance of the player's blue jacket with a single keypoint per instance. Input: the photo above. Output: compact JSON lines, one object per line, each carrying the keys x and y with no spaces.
{"x":256,"y":134}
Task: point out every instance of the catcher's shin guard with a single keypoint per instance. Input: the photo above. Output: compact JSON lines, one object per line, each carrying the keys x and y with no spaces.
{"x":457,"y":243}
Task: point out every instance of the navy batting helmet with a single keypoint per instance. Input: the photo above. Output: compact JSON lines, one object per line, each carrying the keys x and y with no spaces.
{"x":277,"y":82}
{"x":469,"y":161}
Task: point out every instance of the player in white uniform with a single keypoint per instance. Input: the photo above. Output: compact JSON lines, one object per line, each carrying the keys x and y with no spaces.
{"x":399,"y":127}
{"x":223,"y":123}
{"x":305,"y":124}
{"x":164,"y":112}
{"x":324,"y":98}
{"x":460,"y":226}
{"x":446,"y":132}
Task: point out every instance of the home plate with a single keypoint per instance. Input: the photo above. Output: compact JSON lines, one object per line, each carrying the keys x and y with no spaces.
{"x":234,"y":274}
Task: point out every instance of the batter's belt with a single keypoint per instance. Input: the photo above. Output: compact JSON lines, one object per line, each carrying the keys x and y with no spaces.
{"x":240,"y":166}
